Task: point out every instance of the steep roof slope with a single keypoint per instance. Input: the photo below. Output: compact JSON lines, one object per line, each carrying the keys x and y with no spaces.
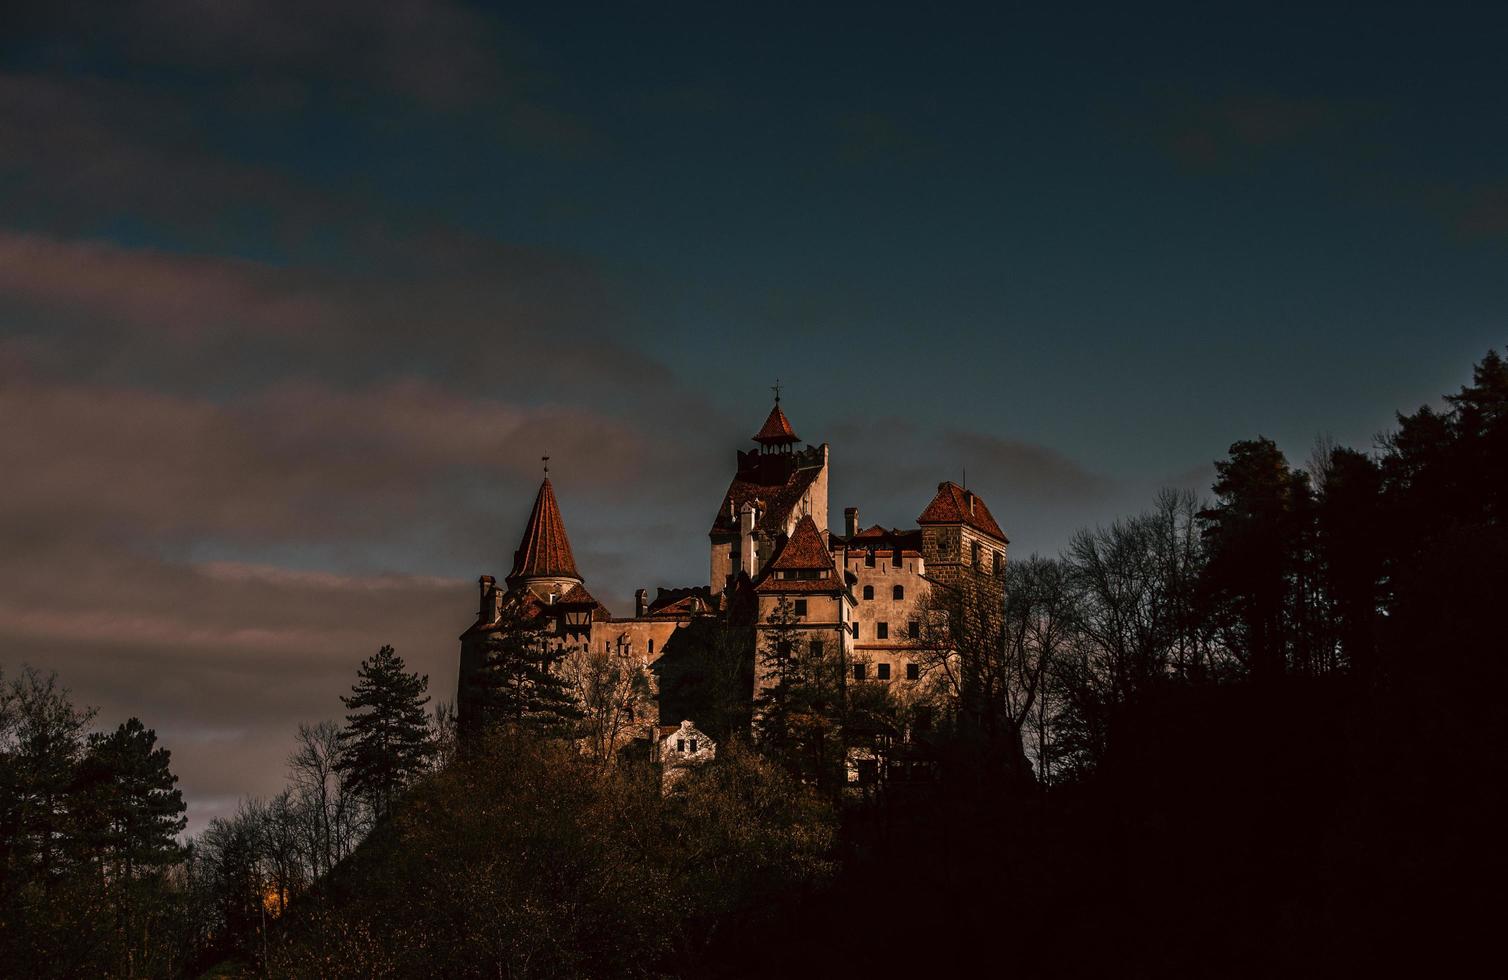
{"x":955,"y":505}
{"x":545,"y":550}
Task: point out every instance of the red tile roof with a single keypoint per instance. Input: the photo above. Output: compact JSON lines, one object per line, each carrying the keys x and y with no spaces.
{"x":777,"y":429}
{"x":803,"y":551}
{"x":545,"y":550}
{"x":776,"y":500}
{"x":955,"y":505}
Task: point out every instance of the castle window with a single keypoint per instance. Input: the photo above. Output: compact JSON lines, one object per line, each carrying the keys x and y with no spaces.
{"x":914,"y":630}
{"x":882,"y":631}
{"x":899,"y":592}
{"x":913,"y":672}
{"x":869,"y":558}
{"x":680,"y":745}
{"x":896,"y":561}
{"x":651,"y":645}
{"x":693,"y":745}
{"x":999,"y":564}
{"x":882,"y":671}
{"x":801,"y":607}
{"x":869,"y":592}
{"x":856,"y":629}
{"x":977,"y":559}
{"x":858,"y":672}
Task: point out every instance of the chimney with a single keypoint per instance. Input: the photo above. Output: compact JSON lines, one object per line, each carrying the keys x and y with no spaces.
{"x":970,"y":496}
{"x":850,"y":521}
{"x":487,"y":584}
{"x":746,"y":539}
{"x":641,"y":603}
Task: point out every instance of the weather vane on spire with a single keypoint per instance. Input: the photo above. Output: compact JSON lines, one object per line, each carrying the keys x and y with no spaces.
{"x":776,"y":389}
{"x":546,"y":461}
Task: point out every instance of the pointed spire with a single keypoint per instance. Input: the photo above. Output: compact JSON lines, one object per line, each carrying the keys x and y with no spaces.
{"x":545,"y":551}
{"x":777,"y":429}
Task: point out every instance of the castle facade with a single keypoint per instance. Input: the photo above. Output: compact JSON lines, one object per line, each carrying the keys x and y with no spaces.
{"x":862,"y":593}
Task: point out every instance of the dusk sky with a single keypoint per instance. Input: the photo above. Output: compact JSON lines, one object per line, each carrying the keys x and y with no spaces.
{"x":293,"y":296}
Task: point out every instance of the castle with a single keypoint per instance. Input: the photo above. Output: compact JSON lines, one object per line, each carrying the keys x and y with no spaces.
{"x":861,"y":594}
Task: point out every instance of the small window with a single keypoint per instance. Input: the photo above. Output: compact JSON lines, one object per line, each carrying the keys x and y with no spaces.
{"x":882,"y":671}
{"x":899,"y":592}
{"x":856,"y":629}
{"x":869,"y":592}
{"x":858,"y":672}
{"x":913,"y":672}
{"x":869,"y":558}
{"x":896,"y":559}
{"x":999,"y":564}
{"x":693,"y":745}
{"x":783,"y":648}
{"x":801,"y":607}
{"x":817,"y":648}
{"x":680,"y":745}
{"x":651,"y":645}
{"x":914,"y":630}
{"x":978,"y":562}
{"x":882,"y":631}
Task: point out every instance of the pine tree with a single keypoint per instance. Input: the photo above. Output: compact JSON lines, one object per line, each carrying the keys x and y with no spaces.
{"x":521,"y":682}
{"x":385,"y":742}
{"x":799,"y":707}
{"x":130,"y":809}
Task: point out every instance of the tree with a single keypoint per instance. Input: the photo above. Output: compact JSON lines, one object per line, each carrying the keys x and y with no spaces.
{"x":615,"y":696}
{"x":132,"y":808}
{"x":800,"y":701}
{"x":331,"y":816}
{"x":43,"y":740}
{"x":1257,"y":533}
{"x":1350,"y":542}
{"x":522,"y":684}
{"x":386,"y":741}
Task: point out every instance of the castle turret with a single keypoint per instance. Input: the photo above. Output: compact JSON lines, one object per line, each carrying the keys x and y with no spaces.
{"x":543,"y":563}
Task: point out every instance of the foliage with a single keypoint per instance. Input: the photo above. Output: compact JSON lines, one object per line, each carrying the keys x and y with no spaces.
{"x":386,"y":741}
{"x":800,"y":702}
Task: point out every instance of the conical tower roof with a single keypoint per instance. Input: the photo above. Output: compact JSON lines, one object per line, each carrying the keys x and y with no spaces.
{"x":545,"y":551}
{"x":777,"y":429}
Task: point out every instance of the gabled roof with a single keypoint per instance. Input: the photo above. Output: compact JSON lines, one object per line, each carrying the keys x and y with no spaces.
{"x":805,"y":548}
{"x":777,"y":429}
{"x":955,"y":505}
{"x":803,"y":551}
{"x":545,"y":550}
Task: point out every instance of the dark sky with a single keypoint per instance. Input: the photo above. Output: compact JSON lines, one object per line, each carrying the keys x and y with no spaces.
{"x":293,"y":295}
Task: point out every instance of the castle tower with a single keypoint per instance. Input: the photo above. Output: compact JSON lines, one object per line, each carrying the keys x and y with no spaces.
{"x":960,"y":537}
{"x":774,"y":487}
{"x":543,"y":563}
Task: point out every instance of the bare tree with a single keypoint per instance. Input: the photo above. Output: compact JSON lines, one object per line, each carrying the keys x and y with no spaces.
{"x":616,"y":697}
{"x":332,"y":818}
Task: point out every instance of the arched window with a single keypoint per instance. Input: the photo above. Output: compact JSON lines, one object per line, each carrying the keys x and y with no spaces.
{"x":899,"y":592}
{"x":869,"y":592}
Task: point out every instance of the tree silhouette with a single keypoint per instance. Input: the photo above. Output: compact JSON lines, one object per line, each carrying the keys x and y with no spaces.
{"x":522,"y":683}
{"x":386,"y":740}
